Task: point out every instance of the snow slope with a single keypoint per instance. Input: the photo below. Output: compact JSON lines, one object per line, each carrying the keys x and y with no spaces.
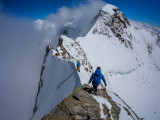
{"x":128,"y":54}
{"x":132,"y":69}
{"x":59,"y":78}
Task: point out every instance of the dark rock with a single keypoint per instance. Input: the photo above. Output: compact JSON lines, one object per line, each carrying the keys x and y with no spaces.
{"x":60,"y":41}
{"x":106,"y":110}
{"x":150,"y":49}
{"x":57,"y":54}
{"x":57,"y":114}
{"x":158,"y":40}
{"x":80,"y":106}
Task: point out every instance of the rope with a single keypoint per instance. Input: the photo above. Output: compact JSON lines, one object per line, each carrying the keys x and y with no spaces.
{"x":76,"y":91}
{"x":84,"y":84}
{"x":78,"y":88}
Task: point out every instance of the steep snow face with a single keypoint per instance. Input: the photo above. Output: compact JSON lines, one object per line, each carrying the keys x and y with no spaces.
{"x":113,"y":23}
{"x":129,"y":58}
{"x":71,"y":49}
{"x":59,"y":78}
{"x":139,"y":25}
{"x":109,"y":42}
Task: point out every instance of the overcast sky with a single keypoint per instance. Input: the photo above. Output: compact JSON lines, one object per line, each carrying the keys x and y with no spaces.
{"x":138,"y":10}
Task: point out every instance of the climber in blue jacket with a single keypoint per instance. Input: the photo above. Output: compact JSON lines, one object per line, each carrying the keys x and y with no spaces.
{"x":96,"y":79}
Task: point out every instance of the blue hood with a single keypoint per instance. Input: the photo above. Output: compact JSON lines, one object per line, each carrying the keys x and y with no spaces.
{"x":96,"y":78}
{"x":98,"y":72}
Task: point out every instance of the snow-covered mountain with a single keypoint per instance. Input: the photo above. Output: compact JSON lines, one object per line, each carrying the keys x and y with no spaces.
{"x":128,"y":53}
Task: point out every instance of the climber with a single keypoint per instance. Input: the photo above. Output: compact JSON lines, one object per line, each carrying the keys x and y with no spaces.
{"x":78,"y":65}
{"x":96,"y":78}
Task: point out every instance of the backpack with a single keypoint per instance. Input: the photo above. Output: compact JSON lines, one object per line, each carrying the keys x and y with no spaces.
{"x":96,"y":79}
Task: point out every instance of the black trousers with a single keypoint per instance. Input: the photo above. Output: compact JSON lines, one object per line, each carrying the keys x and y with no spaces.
{"x":94,"y":88}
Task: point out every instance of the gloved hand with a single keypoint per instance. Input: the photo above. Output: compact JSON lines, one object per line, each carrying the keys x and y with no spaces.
{"x":105,"y":87}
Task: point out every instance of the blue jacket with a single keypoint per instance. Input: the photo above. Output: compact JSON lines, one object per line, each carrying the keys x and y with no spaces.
{"x":78,"y":64}
{"x":96,"y":78}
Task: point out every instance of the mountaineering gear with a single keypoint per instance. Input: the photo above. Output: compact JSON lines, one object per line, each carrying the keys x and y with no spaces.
{"x":96,"y":78}
{"x":76,"y":90}
{"x":78,"y":66}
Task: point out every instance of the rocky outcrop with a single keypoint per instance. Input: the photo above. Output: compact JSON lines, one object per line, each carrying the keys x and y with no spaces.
{"x":80,"y":106}
{"x":115,"y":109}
{"x":83,"y":106}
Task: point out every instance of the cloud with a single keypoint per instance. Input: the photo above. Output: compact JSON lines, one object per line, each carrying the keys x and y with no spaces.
{"x":22,"y":48}
{"x":80,"y":19}
{"x":21,"y":53}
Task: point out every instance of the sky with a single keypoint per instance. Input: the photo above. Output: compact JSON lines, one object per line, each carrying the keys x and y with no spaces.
{"x":138,"y":10}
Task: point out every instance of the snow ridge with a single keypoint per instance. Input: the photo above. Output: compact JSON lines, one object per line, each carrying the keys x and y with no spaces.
{"x":59,"y":78}
{"x":128,"y":55}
